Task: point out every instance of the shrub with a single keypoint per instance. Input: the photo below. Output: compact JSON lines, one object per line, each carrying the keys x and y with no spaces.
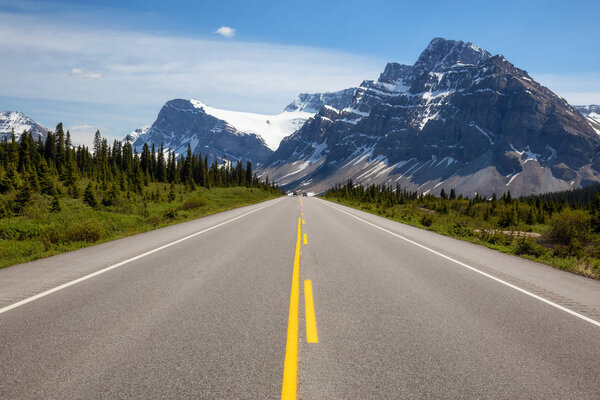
{"x":527,"y":247}
{"x":193,"y":203}
{"x":426,"y":220}
{"x":569,"y":228}
{"x":86,"y":231}
{"x":170,"y":214}
{"x":19,"y":231}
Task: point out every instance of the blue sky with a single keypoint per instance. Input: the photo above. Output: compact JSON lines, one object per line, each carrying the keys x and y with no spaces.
{"x":112,"y":64}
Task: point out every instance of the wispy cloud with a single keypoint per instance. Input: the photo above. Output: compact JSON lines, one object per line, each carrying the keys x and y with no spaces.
{"x":226,"y":31}
{"x":140,"y":71}
{"x":85,"y":74}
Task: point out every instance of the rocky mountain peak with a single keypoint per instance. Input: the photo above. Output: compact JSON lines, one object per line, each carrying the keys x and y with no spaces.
{"x":19,"y":122}
{"x":442,"y":54}
{"x":394,"y":72}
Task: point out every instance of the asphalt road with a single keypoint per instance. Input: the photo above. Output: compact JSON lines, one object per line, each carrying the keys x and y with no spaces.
{"x":216,"y":309}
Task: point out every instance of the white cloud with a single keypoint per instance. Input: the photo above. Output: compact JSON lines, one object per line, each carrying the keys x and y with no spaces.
{"x":141,"y":71}
{"x":85,"y":74}
{"x":82,"y":134}
{"x":226,"y":31}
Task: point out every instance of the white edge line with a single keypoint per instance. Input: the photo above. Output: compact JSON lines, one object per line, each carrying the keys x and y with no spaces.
{"x":535,"y":296}
{"x":119,"y":264}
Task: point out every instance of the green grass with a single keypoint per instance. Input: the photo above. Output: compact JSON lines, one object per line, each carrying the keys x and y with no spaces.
{"x":39,"y":233}
{"x":483,"y":233}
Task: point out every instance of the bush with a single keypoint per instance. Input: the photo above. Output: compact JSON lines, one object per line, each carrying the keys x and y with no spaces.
{"x":570,"y":228}
{"x":193,"y":203}
{"x":426,"y":221}
{"x":528,"y":247}
{"x":170,"y":214}
{"x":86,"y":231}
{"x":19,"y":231}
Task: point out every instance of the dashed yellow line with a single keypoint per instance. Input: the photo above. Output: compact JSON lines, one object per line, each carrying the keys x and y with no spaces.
{"x":290,"y":366}
{"x":305,"y":239}
{"x":303,"y":222}
{"x":309,"y":308}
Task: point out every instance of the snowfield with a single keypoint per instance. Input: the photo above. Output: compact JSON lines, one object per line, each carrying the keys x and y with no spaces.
{"x":272,"y":128}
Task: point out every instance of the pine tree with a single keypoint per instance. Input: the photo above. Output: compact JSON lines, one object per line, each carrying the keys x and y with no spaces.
{"x":89,"y":197}
{"x":8,"y":181}
{"x":55,"y":205}
{"x":248,"y":173}
{"x":23,"y":197}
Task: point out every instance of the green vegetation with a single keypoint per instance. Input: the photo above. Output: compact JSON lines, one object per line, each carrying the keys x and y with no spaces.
{"x":559,"y":229}
{"x":55,"y":197}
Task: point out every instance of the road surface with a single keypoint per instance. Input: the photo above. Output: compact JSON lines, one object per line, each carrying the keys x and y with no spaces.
{"x":296,"y":297}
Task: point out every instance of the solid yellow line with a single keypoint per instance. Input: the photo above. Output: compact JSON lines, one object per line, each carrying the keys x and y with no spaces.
{"x":290,"y":365}
{"x":309,"y":308}
{"x":305,"y":240}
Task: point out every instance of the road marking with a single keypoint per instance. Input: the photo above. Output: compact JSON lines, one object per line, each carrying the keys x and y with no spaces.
{"x":301,"y":213}
{"x":290,"y":365}
{"x":305,"y":240}
{"x":309,"y":309}
{"x":303,"y":222}
{"x":119,"y":264}
{"x":510,"y":285}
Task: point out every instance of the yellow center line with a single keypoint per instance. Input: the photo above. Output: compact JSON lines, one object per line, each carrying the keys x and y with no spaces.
{"x":303,"y":222}
{"x":305,"y":239}
{"x":309,"y":308}
{"x":290,"y":365}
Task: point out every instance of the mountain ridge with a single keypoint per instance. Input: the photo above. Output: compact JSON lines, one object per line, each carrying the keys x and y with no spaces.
{"x":459,"y":117}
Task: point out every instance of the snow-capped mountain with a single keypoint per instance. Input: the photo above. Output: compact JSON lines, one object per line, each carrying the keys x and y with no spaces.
{"x":188,"y":122}
{"x":591,"y":112}
{"x":20,"y":122}
{"x":312,"y":103}
{"x":133,"y":136}
{"x":458,"y":118}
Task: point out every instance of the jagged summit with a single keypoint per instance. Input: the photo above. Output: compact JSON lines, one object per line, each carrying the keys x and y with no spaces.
{"x":20,"y":122}
{"x":442,"y":54}
{"x":458,"y":118}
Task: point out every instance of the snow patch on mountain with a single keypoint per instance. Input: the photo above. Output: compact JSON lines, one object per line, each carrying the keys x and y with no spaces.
{"x":272,"y":128}
{"x":133,"y":136}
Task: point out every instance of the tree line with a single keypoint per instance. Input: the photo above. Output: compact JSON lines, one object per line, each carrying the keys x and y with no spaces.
{"x":54,"y":167}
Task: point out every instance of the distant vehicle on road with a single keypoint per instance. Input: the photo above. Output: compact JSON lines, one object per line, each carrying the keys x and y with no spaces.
{"x":304,"y":194}
{"x":295,"y":193}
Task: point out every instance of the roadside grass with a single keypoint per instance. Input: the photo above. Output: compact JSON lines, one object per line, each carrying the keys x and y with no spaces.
{"x":483,"y":233}
{"x":40,"y":233}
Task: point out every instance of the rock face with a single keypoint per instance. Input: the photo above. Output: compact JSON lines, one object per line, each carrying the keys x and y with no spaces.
{"x":458,"y":118}
{"x":185,"y":122}
{"x":20,"y":122}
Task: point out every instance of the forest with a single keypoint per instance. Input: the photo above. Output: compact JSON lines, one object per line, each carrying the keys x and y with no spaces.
{"x":57,"y":197}
{"x":560,"y":229}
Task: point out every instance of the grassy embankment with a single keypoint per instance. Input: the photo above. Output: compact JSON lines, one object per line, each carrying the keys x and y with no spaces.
{"x":579,"y":251}
{"x":38,"y":232}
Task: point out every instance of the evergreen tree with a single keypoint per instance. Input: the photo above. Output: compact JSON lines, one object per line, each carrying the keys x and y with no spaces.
{"x":89,"y":197}
{"x":55,"y":204}
{"x":23,"y":197}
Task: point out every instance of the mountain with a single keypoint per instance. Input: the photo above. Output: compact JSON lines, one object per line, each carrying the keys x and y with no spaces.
{"x":216,"y":133}
{"x":312,"y":103}
{"x":20,"y":122}
{"x":458,"y":117}
{"x":591,"y":112}
{"x":133,"y":136}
